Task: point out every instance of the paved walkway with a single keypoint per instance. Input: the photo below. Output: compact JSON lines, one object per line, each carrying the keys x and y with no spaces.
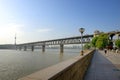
{"x":104,"y":67}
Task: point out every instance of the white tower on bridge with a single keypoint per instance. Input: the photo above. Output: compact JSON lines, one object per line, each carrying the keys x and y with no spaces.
{"x":15,"y":40}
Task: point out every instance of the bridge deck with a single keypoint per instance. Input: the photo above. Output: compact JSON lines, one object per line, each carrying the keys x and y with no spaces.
{"x":104,"y":67}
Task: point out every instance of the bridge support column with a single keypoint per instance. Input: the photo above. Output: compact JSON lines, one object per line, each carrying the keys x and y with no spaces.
{"x":32,"y":48}
{"x":61,"y":48}
{"x":20,"y":48}
{"x":25,"y":48}
{"x":117,"y":36}
{"x":43,"y":48}
{"x":16,"y":47}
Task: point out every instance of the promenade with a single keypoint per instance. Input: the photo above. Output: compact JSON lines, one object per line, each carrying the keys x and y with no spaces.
{"x":104,"y":66}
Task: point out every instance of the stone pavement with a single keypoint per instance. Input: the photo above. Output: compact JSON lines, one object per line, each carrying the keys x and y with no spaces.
{"x":104,"y":67}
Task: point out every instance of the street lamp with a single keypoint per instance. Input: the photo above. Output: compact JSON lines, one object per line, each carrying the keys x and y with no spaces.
{"x":81,"y":31}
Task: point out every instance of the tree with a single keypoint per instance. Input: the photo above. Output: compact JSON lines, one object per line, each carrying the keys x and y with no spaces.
{"x":94,"y":40}
{"x":87,"y":46}
{"x":117,"y":43}
{"x":110,"y":44}
{"x":102,"y":41}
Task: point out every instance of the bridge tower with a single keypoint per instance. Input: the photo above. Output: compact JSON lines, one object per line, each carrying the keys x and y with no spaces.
{"x":15,"y":41}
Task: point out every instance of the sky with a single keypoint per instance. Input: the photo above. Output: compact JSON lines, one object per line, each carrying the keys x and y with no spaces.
{"x":39,"y":20}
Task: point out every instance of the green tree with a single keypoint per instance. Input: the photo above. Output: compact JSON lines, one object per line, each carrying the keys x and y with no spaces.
{"x":117,"y":43}
{"x":102,"y":41}
{"x":87,"y":46}
{"x":93,"y":42}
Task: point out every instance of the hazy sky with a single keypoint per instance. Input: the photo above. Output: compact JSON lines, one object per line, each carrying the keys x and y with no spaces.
{"x":36,"y":20}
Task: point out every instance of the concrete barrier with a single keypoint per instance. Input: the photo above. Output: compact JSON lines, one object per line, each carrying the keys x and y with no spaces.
{"x":72,"y":69}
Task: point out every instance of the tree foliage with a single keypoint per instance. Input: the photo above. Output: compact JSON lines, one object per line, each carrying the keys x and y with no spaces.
{"x":94,"y":41}
{"x":87,"y":46}
{"x":117,"y":43}
{"x":101,"y":41}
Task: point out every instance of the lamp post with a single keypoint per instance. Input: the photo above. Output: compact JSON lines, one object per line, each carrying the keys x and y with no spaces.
{"x":81,"y":31}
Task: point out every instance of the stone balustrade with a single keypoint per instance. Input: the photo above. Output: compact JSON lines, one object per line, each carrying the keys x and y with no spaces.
{"x":72,"y":69}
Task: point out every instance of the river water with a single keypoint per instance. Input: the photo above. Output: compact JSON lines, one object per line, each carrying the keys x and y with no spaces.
{"x":16,"y":64}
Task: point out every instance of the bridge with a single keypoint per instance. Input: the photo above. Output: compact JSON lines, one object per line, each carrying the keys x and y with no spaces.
{"x":64,"y":41}
{"x":61,"y":42}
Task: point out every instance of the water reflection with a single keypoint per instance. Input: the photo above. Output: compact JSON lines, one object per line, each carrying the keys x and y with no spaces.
{"x":61,"y":56}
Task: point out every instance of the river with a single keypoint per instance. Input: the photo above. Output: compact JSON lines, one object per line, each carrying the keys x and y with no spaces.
{"x":15,"y":64}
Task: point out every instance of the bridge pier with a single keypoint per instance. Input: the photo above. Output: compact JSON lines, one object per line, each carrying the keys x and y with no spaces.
{"x":118,"y":36}
{"x":20,"y":48}
{"x":32,"y":48}
{"x":43,"y":48}
{"x":61,"y":48}
{"x":15,"y":47}
{"x":25,"y":48}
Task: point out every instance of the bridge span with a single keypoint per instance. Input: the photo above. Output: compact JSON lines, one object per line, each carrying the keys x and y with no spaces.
{"x":61,"y":42}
